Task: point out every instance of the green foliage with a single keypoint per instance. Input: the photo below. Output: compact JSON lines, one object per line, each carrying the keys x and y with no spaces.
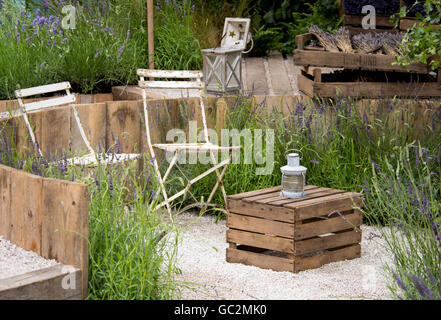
{"x":276,"y":23}
{"x":176,"y":46}
{"x":405,"y":196}
{"x":422,"y":43}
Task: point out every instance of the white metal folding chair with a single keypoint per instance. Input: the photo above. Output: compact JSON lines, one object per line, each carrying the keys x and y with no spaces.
{"x":92,"y":158}
{"x":194,"y":82}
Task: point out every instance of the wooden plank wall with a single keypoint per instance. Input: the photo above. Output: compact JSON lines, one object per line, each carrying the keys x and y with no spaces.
{"x":105,"y":122}
{"x":47,"y":216}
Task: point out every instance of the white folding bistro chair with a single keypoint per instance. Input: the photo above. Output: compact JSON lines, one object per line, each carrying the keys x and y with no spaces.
{"x":91,"y":158}
{"x":177,"y":149}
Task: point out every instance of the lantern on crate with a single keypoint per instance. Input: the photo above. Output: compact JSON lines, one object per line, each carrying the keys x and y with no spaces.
{"x":293,"y":177}
{"x":222,"y":66}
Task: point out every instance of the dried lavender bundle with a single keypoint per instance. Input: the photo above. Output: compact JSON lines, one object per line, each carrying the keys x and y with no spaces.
{"x":325,"y":39}
{"x":343,"y":40}
{"x":367,"y":43}
{"x":392,"y":43}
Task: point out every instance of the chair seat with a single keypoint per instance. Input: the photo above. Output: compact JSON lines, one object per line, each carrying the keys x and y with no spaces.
{"x":94,"y":159}
{"x":193,"y":147}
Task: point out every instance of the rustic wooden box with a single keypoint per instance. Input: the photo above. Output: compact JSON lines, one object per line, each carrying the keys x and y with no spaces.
{"x":379,"y":66}
{"x":272,"y":232}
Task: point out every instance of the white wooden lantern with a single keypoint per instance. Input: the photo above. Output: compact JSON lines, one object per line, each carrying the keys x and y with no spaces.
{"x":222,"y":66}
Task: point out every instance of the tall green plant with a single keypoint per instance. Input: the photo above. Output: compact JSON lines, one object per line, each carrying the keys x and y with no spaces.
{"x":405,"y":196}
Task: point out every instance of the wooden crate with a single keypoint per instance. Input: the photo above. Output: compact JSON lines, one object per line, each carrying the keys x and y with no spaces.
{"x":308,"y":56}
{"x":282,"y":234}
{"x":318,"y":85}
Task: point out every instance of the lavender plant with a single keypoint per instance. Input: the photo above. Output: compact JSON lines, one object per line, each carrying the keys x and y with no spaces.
{"x":405,"y":196}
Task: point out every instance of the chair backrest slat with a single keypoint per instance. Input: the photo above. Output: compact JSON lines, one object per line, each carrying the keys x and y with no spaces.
{"x":22,"y":93}
{"x":171,"y":84}
{"x":34,"y":106}
{"x":42,"y":104}
{"x":167,"y":74}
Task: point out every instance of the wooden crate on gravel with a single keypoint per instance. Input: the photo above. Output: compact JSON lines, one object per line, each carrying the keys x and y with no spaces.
{"x":273,"y":232}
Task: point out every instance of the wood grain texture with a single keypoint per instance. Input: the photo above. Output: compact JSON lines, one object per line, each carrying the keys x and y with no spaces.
{"x":124,"y":121}
{"x":239,"y":222}
{"x":260,"y":241}
{"x":5,"y":201}
{"x":93,"y":118}
{"x":65,"y":227}
{"x":259,"y":260}
{"x":328,"y":242}
{"x":261,"y":210}
{"x":43,"y":284}
{"x":26,"y":208}
{"x":55,"y":130}
{"x":345,"y":253}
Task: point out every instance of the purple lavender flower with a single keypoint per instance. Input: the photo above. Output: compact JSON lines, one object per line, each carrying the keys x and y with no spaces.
{"x":400,"y":282}
{"x":313,"y":161}
{"x":121,"y":50}
{"x":97,"y":53}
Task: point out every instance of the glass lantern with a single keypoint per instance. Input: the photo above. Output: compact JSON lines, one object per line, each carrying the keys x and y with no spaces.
{"x":293,"y":177}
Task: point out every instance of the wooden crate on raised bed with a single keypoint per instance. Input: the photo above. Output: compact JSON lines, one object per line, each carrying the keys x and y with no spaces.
{"x":282,"y":234}
{"x":364,"y":75}
{"x":384,"y":22}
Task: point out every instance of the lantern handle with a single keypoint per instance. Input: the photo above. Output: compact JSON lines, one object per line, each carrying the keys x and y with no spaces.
{"x":252,"y":43}
{"x":297,"y":150}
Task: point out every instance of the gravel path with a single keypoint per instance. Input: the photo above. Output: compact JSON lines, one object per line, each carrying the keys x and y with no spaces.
{"x":208,"y":276}
{"x":15,"y":261}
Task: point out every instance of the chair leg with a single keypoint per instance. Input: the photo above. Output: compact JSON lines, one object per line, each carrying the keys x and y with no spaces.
{"x":162,"y":188}
{"x":219,"y":182}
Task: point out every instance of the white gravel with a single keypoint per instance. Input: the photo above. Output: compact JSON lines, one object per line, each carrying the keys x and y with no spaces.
{"x":15,"y":261}
{"x":207,"y":275}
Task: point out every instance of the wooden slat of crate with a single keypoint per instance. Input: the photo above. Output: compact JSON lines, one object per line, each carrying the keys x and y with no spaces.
{"x":333,"y":255}
{"x":311,"y":194}
{"x":262,"y":197}
{"x":333,"y":224}
{"x":368,"y":89}
{"x":353,"y":61}
{"x":260,"y":260}
{"x":261,"y":210}
{"x":408,"y":23}
{"x":328,"y":242}
{"x":253,"y":193}
{"x":260,"y":240}
{"x":325,"y":205}
{"x":355,"y":20}
{"x":246,"y":223}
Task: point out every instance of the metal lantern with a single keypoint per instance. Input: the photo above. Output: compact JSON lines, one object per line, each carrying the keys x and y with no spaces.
{"x":293,"y":177}
{"x":222,"y":66}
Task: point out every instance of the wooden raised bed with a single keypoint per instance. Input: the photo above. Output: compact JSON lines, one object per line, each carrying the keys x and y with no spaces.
{"x":282,"y":234}
{"x":51,"y":218}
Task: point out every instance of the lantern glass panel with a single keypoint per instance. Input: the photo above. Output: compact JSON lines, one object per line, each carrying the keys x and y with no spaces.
{"x":293,"y":183}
